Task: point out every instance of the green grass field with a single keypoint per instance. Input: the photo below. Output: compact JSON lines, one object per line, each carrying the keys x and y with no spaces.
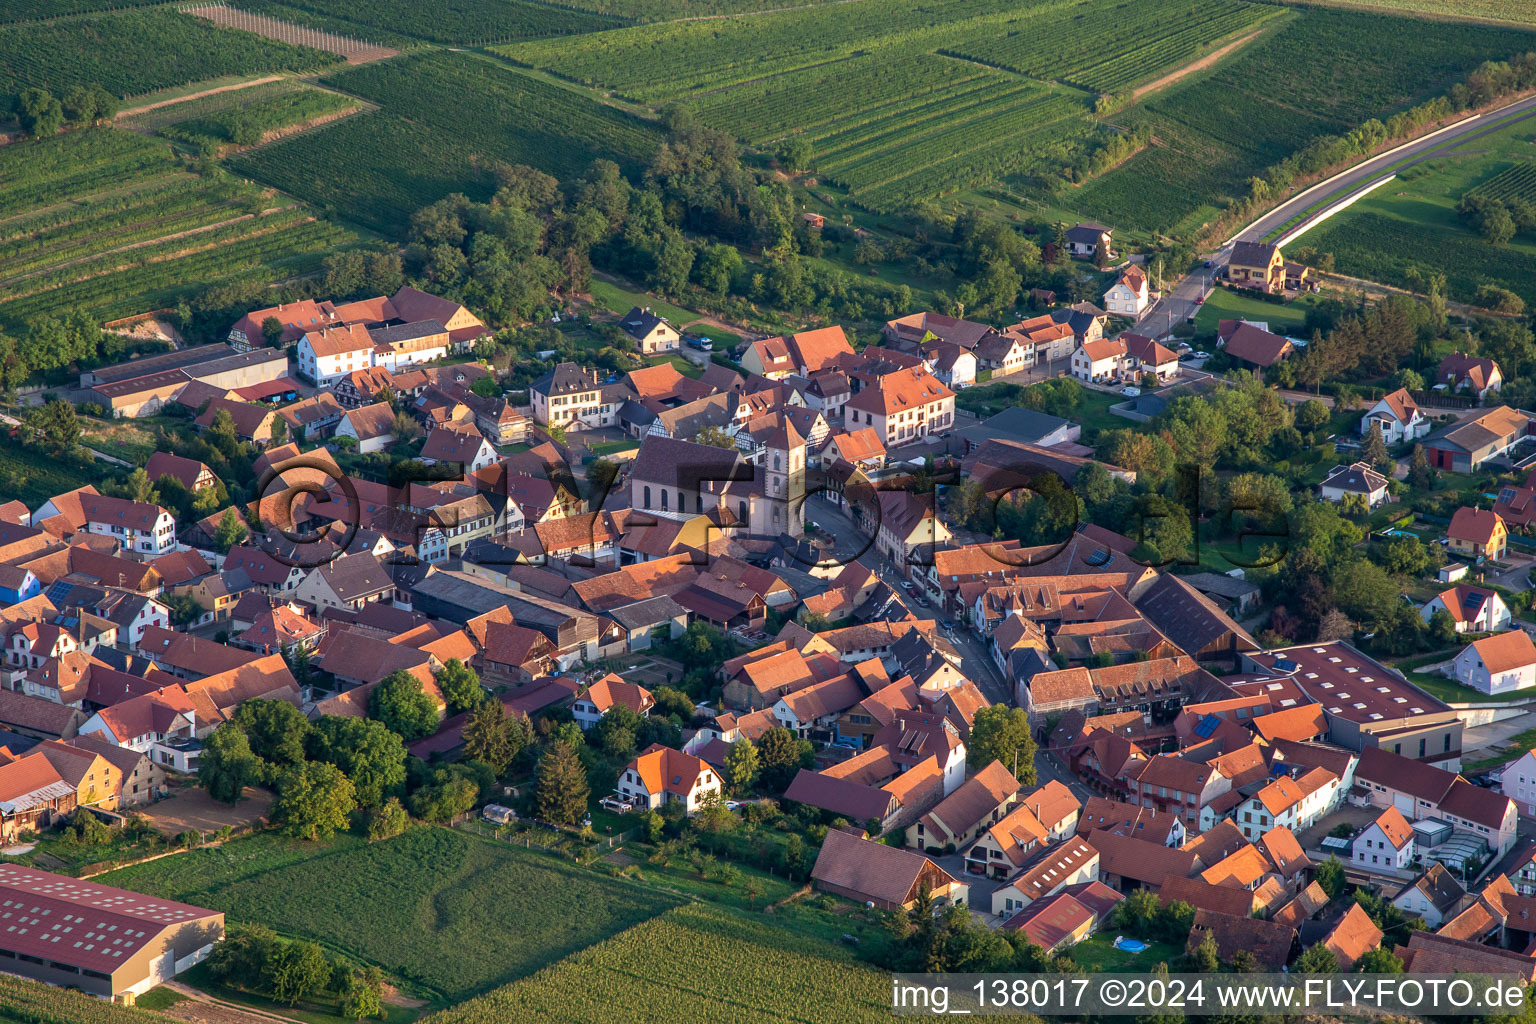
{"x":1409,"y":226}
{"x":1222,"y":304}
{"x":693,"y":963}
{"x":453,"y":913}
{"x":1517,"y":11}
{"x":32,"y":1002}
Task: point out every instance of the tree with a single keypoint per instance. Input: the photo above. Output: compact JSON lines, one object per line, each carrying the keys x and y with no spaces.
{"x":460,"y":685}
{"x":400,"y":703}
{"x":41,"y":114}
{"x":562,"y":787}
{"x":1335,"y":625}
{"x":741,"y":765}
{"x":1420,"y":476}
{"x":364,"y":996}
{"x":1136,"y":913}
{"x":298,"y":969}
{"x":389,"y":821}
{"x":231,"y":531}
{"x":1374,"y":452}
{"x":778,"y":757}
{"x":448,"y":795}
{"x":1497,"y":225}
{"x":244,"y":957}
{"x":672,"y":701}
{"x":1205,"y":958}
{"x":57,"y":427}
{"x":1379,"y":961}
{"x":1317,"y":959}
{"x":184,"y":608}
{"x":490,"y":736}
{"x":366,"y":750}
{"x":313,"y":801}
{"x":1330,"y":875}
{"x":617,"y":730}
{"x":1000,"y":733}
{"x":795,"y":154}
{"x":272,"y":330}
{"x":227,"y":764}
{"x":715,"y":437}
{"x":275,"y":728}
{"x":1311,"y":418}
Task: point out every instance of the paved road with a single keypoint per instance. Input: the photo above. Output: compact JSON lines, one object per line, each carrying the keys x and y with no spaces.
{"x":1346,"y":182}
{"x":1180,"y":303}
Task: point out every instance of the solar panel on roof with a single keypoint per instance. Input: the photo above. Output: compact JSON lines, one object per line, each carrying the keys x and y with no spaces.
{"x":1103,"y":556}
{"x":1286,"y":665}
{"x":1206,"y":726}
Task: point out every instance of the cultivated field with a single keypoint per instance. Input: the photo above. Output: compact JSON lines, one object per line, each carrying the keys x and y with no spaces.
{"x":1322,"y":72}
{"x":1494,"y":10}
{"x":355,"y":51}
{"x":32,"y":10}
{"x":446,"y":117}
{"x":243,"y":116}
{"x":693,"y":963}
{"x":459,"y":22}
{"x":32,"y":1002}
{"x":451,"y":912}
{"x":133,"y":52}
{"x":107,"y":221}
{"x":1410,"y":225}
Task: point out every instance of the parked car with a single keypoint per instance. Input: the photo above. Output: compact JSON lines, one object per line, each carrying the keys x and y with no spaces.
{"x":1131,"y":392}
{"x":615,"y":803}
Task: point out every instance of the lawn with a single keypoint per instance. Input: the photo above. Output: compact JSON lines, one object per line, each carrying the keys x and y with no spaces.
{"x":1410,"y":226}
{"x":693,"y":963}
{"x":620,"y":300}
{"x":1222,"y":304}
{"x":1098,"y":953}
{"x":201,"y":978}
{"x":452,"y":913}
{"x":609,"y":447}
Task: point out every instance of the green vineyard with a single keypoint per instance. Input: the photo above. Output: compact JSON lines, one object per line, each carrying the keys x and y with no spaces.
{"x":117,"y":227}
{"x":447,"y":118}
{"x":134,"y":52}
{"x":1517,"y":182}
{"x":1163,"y":35}
{"x":461,"y":22}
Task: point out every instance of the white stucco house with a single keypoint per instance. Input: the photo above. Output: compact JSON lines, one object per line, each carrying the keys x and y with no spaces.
{"x":1130,"y":295}
{"x":1386,"y":845}
{"x":1398,"y":416}
{"x":1497,"y":664}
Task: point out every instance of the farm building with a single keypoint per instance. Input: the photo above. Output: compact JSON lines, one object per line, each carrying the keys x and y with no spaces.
{"x":108,"y":942}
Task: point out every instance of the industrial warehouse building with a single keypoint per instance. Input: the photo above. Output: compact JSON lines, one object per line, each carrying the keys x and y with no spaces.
{"x":109,"y":942}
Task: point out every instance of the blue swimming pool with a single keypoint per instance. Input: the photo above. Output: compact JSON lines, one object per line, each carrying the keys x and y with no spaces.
{"x":1399,"y":533}
{"x":1130,"y":945}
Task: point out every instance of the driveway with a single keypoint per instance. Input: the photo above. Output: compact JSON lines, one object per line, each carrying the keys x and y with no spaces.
{"x":982,"y":887}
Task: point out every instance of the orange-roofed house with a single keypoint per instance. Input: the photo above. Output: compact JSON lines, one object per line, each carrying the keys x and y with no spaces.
{"x":330,"y":353}
{"x":903,"y":407}
{"x":1398,"y":416}
{"x":1130,"y":295}
{"x":1099,"y":360}
{"x":1501,"y":663}
{"x":663,"y":775}
{"x":1477,"y":533}
{"x":1354,"y":936}
{"x":980,"y":802}
{"x":596,"y":700}
{"x":1386,"y":844}
{"x":1472,"y":609}
{"x":1295,"y":803}
{"x":33,"y":796}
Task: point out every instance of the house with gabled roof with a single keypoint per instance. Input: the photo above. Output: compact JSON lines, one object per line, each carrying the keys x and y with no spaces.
{"x":611,"y":690}
{"x":1436,"y":896}
{"x":1354,"y":936}
{"x":650,"y":331}
{"x":1472,"y":609}
{"x":1496,"y":664}
{"x":1357,"y":479}
{"x":1130,"y":295}
{"x":1059,"y":922}
{"x":1477,"y":533}
{"x":1466,"y":444}
{"x":1478,"y":376}
{"x":1397,"y":416}
{"x":1386,"y":844}
{"x":886,"y":876}
{"x":1046,"y":872}
{"x":1271,"y":943}
{"x":1127,"y":863}
{"x":979,"y":802}
{"x":1254,"y":347}
{"x":1258,"y":265}
{"x":663,"y":775}
{"x":1087,"y":237}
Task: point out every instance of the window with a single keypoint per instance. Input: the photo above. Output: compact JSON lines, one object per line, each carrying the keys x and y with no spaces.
{"x":663,"y":499}
{"x":1422,"y":741}
{"x":1448,"y":746}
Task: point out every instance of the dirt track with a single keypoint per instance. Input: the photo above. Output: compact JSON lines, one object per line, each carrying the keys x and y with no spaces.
{"x":1189,"y":69}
